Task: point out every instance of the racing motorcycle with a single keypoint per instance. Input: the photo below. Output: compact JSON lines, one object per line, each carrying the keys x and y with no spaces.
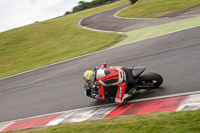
{"x":147,"y":81}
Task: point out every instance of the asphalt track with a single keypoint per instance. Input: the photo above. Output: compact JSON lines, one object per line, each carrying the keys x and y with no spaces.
{"x":59,"y":87}
{"x":107,"y":21}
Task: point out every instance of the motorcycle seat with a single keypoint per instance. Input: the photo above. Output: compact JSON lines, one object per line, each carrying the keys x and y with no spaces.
{"x":137,"y":71}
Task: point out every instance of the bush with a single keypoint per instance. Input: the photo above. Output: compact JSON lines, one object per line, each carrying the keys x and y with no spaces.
{"x":86,"y":5}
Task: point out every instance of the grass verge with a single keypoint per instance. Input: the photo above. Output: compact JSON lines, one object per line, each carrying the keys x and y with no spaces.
{"x":154,"y":31}
{"x":165,"y":122}
{"x":51,"y":41}
{"x":156,"y":8}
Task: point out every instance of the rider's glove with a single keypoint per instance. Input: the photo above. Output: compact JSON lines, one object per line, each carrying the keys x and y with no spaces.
{"x":104,"y":65}
{"x":93,"y":96}
{"x":96,"y":68}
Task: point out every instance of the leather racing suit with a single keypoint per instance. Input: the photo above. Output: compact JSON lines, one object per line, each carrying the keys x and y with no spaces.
{"x":113,"y":76}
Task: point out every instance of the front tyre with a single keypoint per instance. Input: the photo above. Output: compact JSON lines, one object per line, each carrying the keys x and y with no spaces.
{"x":152,"y":78}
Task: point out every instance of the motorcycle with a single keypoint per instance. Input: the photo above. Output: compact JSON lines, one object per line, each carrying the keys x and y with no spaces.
{"x":146,"y":81}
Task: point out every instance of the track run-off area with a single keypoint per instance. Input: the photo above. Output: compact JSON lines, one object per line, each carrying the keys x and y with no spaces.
{"x":174,"y":54}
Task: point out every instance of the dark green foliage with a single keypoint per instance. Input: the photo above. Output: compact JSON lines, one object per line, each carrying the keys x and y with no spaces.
{"x":86,"y":5}
{"x":133,"y":1}
{"x":67,"y":13}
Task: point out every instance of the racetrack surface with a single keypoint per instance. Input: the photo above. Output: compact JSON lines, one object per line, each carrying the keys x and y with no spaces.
{"x":59,"y":87}
{"x":109,"y":21}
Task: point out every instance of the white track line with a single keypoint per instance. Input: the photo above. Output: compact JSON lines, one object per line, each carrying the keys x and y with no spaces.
{"x":115,"y":16}
{"x":113,"y":104}
{"x":139,"y":100}
{"x":5,"y":125}
{"x":191,"y":103}
{"x":79,"y":24}
{"x":90,"y":54}
{"x":82,"y":116}
{"x":166,"y":96}
{"x":84,"y":27}
{"x":59,"y":119}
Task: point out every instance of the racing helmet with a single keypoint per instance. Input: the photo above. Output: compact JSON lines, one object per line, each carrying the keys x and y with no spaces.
{"x":89,"y":76}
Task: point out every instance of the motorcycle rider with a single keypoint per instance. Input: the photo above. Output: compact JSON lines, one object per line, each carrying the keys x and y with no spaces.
{"x":103,"y":77}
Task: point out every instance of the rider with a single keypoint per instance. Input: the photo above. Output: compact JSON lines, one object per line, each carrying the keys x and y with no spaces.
{"x":104,"y":77}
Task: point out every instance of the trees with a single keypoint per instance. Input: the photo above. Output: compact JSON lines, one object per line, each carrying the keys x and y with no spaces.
{"x":82,"y":5}
{"x":67,"y":13}
{"x":133,"y":1}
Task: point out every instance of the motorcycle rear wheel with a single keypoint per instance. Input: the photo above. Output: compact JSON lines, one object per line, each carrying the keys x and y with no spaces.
{"x":151,"y":77}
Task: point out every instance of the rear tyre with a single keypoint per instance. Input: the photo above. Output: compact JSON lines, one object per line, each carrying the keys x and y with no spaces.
{"x":151,"y":78}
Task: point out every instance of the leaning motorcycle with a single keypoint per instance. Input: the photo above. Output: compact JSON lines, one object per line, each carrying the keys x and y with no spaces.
{"x":147,"y":81}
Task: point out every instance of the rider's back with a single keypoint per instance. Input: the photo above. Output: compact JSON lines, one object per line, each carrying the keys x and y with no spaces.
{"x":109,"y":76}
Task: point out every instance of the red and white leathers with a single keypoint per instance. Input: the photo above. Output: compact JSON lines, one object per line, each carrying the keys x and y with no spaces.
{"x":113,"y":76}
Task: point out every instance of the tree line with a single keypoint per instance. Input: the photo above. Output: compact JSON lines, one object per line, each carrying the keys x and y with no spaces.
{"x":82,"y":5}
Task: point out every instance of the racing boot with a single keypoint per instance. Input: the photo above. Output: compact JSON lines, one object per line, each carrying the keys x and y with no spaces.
{"x":132,"y":92}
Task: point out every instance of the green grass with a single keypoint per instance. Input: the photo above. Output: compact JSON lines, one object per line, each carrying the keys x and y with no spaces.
{"x":51,"y":41}
{"x":154,"y":31}
{"x":59,"y":39}
{"x":156,"y":8}
{"x":165,"y":122}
